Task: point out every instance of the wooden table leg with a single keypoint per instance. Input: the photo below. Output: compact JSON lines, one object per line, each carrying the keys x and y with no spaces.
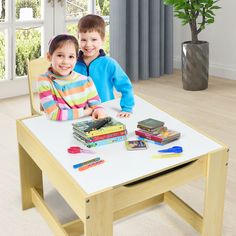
{"x":214,"y":193}
{"x":31,"y":176}
{"x":99,"y":215}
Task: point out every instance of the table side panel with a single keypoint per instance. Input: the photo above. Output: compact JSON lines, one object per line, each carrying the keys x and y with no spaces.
{"x":216,"y":173}
{"x":60,"y":179}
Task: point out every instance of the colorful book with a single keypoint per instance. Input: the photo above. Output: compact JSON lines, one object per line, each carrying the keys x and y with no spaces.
{"x":153,"y":131}
{"x":110,"y":127}
{"x":100,"y":137}
{"x":134,"y":145}
{"x":149,"y":141}
{"x":150,"y":124}
{"x":163,"y":138}
{"x":101,"y":142}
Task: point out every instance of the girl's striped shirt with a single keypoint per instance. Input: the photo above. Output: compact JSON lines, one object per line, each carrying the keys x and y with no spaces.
{"x":66,"y":97}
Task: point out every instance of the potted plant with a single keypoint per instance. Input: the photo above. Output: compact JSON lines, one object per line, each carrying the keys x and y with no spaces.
{"x":194,"y":53}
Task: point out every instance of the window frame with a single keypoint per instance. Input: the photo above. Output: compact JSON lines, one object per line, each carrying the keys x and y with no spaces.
{"x":12,"y":85}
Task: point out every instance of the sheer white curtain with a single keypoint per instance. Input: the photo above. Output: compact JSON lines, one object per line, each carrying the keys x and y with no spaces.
{"x":141,"y":37}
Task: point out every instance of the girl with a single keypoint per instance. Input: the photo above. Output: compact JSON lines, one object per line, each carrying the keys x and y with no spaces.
{"x":65,"y":94}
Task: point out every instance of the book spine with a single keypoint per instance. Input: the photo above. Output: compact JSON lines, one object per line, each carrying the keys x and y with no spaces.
{"x":79,"y":139}
{"x":101,"y":142}
{"x":106,"y":130}
{"x":106,"y":136}
{"x":153,"y":131}
{"x":107,"y":141}
{"x":148,"y":136}
{"x":99,"y":137}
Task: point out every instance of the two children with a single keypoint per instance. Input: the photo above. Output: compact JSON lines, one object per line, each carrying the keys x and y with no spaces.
{"x":105,"y":71}
{"x":65,"y":94}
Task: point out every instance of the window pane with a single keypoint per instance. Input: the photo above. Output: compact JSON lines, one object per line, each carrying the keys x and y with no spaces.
{"x":2,"y":56}
{"x":103,"y":8}
{"x":106,"y":45}
{"x":76,"y":8}
{"x":28,"y":9}
{"x":72,"y":29}
{"x":27,"y":46}
{"x":2,"y":10}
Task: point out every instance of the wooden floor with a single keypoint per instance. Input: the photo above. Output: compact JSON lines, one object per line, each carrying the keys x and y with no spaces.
{"x":212,"y":111}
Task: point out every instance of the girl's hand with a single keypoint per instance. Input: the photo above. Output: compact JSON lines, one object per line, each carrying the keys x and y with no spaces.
{"x":88,"y":111}
{"x":124,"y":114}
{"x":99,"y":114}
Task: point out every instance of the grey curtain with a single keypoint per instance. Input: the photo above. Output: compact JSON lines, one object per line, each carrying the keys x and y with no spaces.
{"x":141,"y":37}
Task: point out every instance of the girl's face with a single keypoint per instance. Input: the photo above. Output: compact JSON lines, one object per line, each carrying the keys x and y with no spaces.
{"x":90,"y":43}
{"x":63,"y":59}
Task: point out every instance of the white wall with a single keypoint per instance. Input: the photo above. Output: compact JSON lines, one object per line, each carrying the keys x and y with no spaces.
{"x":221,"y":36}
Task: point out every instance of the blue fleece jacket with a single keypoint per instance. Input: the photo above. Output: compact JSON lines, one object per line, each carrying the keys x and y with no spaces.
{"x":106,"y":74}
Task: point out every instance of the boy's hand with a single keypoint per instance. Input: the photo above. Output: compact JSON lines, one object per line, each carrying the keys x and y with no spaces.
{"x":88,"y":111}
{"x":99,"y":114}
{"x":124,"y":114}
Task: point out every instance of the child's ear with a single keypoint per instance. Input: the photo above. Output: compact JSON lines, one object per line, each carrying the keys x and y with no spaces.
{"x":49,"y":56}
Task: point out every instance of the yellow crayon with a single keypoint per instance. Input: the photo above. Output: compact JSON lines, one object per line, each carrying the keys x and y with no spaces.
{"x":166,"y":155}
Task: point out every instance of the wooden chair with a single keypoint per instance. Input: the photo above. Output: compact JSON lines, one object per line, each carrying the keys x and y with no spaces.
{"x":35,"y":68}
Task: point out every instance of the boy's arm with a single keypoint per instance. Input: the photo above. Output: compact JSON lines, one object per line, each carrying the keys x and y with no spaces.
{"x":50,"y":105}
{"x":123,"y":85}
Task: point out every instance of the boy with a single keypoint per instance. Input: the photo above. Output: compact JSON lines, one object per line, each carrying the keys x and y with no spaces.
{"x":105,"y":71}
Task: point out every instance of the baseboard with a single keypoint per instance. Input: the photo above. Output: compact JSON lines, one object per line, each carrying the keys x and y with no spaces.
{"x":13,"y":88}
{"x":218,"y":70}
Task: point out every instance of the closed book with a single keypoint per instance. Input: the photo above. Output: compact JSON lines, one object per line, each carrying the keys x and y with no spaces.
{"x":100,"y":137}
{"x":134,"y":145}
{"x":161,"y":138}
{"x":153,"y":131}
{"x":101,"y":142}
{"x":110,"y":135}
{"x":150,"y":124}
{"x":110,"y":127}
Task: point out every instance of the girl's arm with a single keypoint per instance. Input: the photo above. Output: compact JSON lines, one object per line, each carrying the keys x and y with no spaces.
{"x":94,"y":100}
{"x":50,"y":105}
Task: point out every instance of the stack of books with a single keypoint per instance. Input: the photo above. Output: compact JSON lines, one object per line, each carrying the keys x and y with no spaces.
{"x":99,"y":132}
{"x":155,"y":130}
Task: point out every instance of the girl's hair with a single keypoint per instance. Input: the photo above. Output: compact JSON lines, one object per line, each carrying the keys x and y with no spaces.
{"x":92,"y":23}
{"x":59,"y":40}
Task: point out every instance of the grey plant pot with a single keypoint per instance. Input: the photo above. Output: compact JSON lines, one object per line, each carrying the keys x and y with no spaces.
{"x":195,"y":65}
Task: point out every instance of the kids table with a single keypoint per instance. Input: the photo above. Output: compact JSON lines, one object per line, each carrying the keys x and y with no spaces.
{"x":128,"y":181}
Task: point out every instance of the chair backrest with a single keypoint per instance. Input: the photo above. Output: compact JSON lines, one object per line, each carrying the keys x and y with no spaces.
{"x":35,"y":68}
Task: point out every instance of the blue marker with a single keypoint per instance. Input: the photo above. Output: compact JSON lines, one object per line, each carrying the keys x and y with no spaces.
{"x":86,"y":163}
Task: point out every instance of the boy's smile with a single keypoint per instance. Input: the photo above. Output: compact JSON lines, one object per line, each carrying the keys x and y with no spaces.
{"x":90,"y":43}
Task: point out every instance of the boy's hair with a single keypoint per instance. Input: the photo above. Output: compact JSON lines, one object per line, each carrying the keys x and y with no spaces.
{"x":59,"y":40}
{"x":90,"y":23}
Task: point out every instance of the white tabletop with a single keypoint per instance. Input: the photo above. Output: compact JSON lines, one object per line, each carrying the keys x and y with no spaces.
{"x":121,"y":166}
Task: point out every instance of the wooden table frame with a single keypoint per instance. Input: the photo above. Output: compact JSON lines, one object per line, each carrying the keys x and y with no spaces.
{"x":97,"y":211}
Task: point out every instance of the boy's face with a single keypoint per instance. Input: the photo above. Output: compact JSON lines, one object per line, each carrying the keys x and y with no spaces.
{"x":63,"y":59}
{"x":90,"y":43}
